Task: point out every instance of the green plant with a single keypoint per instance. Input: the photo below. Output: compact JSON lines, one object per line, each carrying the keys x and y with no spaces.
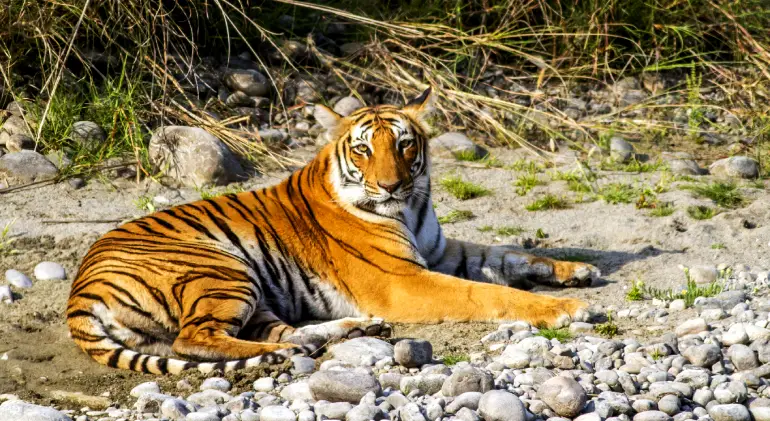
{"x":469,"y":155}
{"x":456,"y":216}
{"x":689,"y":293}
{"x":695,"y":113}
{"x":209,"y":193}
{"x":615,"y":193}
{"x":454,"y":358}
{"x":463,"y":190}
{"x":608,"y":328}
{"x":547,"y":202}
{"x":144,"y":203}
{"x":636,"y":292}
{"x":723,"y":194}
{"x":524,"y":165}
{"x":718,"y":246}
{"x":656,"y":354}
{"x":508,"y":231}
{"x":525,"y":183}
{"x":701,"y":212}
{"x":561,"y":334}
{"x":540,"y":234}
{"x":485,"y":228}
{"x":6,"y":241}
{"x":662,"y":209}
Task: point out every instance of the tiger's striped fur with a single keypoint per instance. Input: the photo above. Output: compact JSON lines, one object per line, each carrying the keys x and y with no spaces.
{"x":217,"y":283}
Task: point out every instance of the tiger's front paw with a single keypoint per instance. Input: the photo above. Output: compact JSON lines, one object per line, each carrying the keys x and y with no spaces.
{"x":560,"y":312}
{"x":575,"y":274}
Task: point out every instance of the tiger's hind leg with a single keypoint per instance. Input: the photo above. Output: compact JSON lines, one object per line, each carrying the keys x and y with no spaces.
{"x":266,"y":326}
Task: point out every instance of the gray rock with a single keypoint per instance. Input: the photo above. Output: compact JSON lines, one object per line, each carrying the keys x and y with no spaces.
{"x":735,"y":166}
{"x":652,"y":416}
{"x":16,"y":410}
{"x":669,"y":404}
{"x":49,"y":271}
{"x":514,"y":358}
{"x":564,"y":395}
{"x":18,"y":142}
{"x":620,"y":150}
{"x":365,"y":413}
{"x":332,"y":410}
{"x":363,"y":349}
{"x":427,"y":383}
{"x":202,"y":416}
{"x":208,"y":397}
{"x":26,"y":167}
{"x":299,"y":390}
{"x":59,"y":159}
{"x":703,"y":274}
{"x":451,"y":144}
{"x":581,"y":328}
{"x":150,"y":402}
{"x":175,"y":409}
{"x":87,"y":134}
{"x":731,"y":392}
{"x":729,"y":412}
{"x":413,"y":352}
{"x":703,"y":396}
{"x":465,"y":400}
{"x":499,"y":405}
{"x":193,"y":156}
{"x":695,"y":378}
{"x":467,"y":379}
{"x":15,"y":125}
{"x":682,"y":163}
{"x":760,"y":409}
{"x":704,"y":355}
{"x":742,"y":357}
{"x":277,"y":413}
{"x":265,"y":384}
{"x":347,"y":105}
{"x":6,"y":296}
{"x":146,"y":387}
{"x":248,"y":81}
{"x":302,"y":365}
{"x":347,"y":386}
{"x":465,"y":414}
{"x":216,"y":383}
{"x":304,"y":415}
{"x":308,"y":90}
{"x":17,"y":279}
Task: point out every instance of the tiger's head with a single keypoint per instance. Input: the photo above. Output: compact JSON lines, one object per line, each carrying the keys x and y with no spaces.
{"x":380,"y":157}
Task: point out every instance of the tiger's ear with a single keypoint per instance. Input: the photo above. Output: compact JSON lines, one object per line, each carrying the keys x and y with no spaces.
{"x":421,"y":107}
{"x":329,"y":119}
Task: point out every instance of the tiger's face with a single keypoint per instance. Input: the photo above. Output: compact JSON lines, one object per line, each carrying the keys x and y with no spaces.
{"x":381,"y":154}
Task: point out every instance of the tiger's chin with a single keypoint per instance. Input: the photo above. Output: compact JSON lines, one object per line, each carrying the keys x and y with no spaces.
{"x":390,"y":207}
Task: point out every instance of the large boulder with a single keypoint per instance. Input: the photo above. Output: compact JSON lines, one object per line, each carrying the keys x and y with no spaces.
{"x":193,"y":156}
{"x":735,"y":166}
{"x":26,"y":167}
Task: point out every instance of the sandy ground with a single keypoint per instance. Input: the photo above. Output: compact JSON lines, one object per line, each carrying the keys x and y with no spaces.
{"x":624,"y":242}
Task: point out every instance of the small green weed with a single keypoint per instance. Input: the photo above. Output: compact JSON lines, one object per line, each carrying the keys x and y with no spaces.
{"x":463,"y":190}
{"x":615,"y":193}
{"x":454,"y":358}
{"x":718,"y":246}
{"x":485,"y":228}
{"x":540,"y":234}
{"x":525,"y":183}
{"x":509,"y":231}
{"x":701,"y":212}
{"x":547,"y":202}
{"x":208,"y":193}
{"x":561,"y":334}
{"x":144,"y":203}
{"x":526,"y":166}
{"x":6,"y":241}
{"x":456,"y":216}
{"x":723,"y":194}
{"x":662,"y":209}
{"x":634,"y":166}
{"x":656,"y":354}
{"x":468,"y":156}
{"x":689,"y":293}
{"x":608,"y":328}
{"x":635,"y":293}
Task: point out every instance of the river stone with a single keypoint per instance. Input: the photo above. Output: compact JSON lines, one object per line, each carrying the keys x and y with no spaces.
{"x":466,"y":400}
{"x":682,"y":163}
{"x":142,"y":388}
{"x":332,"y":410}
{"x":17,"y":279}
{"x":620,"y":149}
{"x":467,"y":379}
{"x":362,"y":350}
{"x":18,"y":142}
{"x":248,"y":81}
{"x":49,"y":271}
{"x":735,"y":166}
{"x":691,"y":326}
{"x":193,"y":156}
{"x":729,"y":412}
{"x":87,"y":134}
{"x":26,"y":167}
{"x":564,"y":395}
{"x":277,"y":413}
{"x":176,"y":409}
{"x":731,"y":392}
{"x":15,"y":125}
{"x":413,"y":352}
{"x":760,"y":409}
{"x":299,"y":390}
{"x":451,"y":144}
{"x":16,"y":410}
{"x":216,"y":383}
{"x":347,"y":105}
{"x":499,"y":405}
{"x":342,"y":386}
{"x":742,"y":357}
{"x":6,"y":296}
{"x":703,"y":274}
{"x":652,"y":416}
{"x":365,"y":412}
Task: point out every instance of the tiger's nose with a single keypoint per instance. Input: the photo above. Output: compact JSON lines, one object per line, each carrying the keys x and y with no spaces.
{"x":391,"y":187}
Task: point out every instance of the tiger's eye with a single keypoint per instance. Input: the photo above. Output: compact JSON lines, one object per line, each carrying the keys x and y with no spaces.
{"x":361,"y":149}
{"x":406,"y":143}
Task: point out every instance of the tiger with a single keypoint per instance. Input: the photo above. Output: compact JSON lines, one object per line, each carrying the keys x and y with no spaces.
{"x":351,"y":239}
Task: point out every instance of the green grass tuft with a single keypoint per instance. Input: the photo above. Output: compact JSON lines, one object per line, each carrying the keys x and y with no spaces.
{"x":456,"y":216}
{"x":608,"y":328}
{"x":547,"y":202}
{"x":454,"y":358}
{"x":701,"y":212}
{"x":144,"y":203}
{"x":662,"y":209}
{"x":209,"y":193}
{"x":723,"y":194}
{"x":509,"y":231}
{"x":463,"y":190}
{"x":561,"y":334}
{"x":636,"y":292}
{"x":6,"y":241}
{"x":718,"y":246}
{"x":486,"y":228}
{"x":525,"y":183}
{"x":616,"y":193}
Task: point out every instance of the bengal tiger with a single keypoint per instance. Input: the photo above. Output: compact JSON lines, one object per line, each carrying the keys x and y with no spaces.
{"x":351,"y":237}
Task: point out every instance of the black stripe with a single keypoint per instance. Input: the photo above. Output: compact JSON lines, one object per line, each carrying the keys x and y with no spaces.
{"x":163,"y":365}
{"x":461,"y":271}
{"x":134,"y":361}
{"x":114,"y":358}
{"x":421,"y":217}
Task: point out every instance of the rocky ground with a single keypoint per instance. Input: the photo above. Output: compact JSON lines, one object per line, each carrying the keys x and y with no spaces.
{"x":650,"y":212}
